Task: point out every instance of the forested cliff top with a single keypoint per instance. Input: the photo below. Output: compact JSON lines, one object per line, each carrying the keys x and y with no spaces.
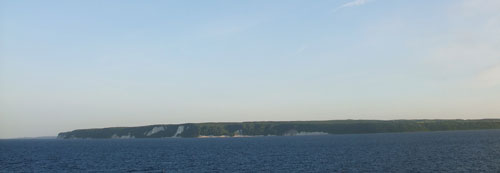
{"x":280,"y":128}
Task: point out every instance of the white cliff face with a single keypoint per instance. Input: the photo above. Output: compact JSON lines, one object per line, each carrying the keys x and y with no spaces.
{"x":155,"y":130}
{"x":297,"y":133}
{"x":238,"y":132}
{"x":180,"y":129}
{"x":291,"y":132}
{"x":122,"y":137}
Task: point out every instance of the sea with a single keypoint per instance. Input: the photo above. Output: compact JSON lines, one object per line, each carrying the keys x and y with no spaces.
{"x":451,"y":151}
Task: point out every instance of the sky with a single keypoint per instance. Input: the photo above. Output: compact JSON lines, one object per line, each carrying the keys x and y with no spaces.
{"x":68,"y":65}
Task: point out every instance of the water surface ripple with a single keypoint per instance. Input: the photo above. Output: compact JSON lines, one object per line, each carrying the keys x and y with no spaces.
{"x":457,"y":151}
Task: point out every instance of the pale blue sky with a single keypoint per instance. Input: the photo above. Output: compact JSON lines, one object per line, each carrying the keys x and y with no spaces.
{"x":67,"y":65}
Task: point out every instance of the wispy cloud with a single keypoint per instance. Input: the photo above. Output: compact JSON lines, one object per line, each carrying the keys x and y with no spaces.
{"x":301,"y":49}
{"x":489,"y":77}
{"x":352,"y":4}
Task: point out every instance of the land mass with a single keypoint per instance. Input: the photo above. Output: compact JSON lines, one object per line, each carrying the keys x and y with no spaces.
{"x":280,"y":128}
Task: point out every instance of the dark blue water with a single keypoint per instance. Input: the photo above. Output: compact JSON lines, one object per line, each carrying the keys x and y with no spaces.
{"x":459,"y":151}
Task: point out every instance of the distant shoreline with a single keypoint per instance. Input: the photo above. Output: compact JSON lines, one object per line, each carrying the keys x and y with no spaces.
{"x":279,"y":128}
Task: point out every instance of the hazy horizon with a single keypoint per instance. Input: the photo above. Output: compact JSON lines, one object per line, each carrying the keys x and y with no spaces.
{"x":68,"y":65}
